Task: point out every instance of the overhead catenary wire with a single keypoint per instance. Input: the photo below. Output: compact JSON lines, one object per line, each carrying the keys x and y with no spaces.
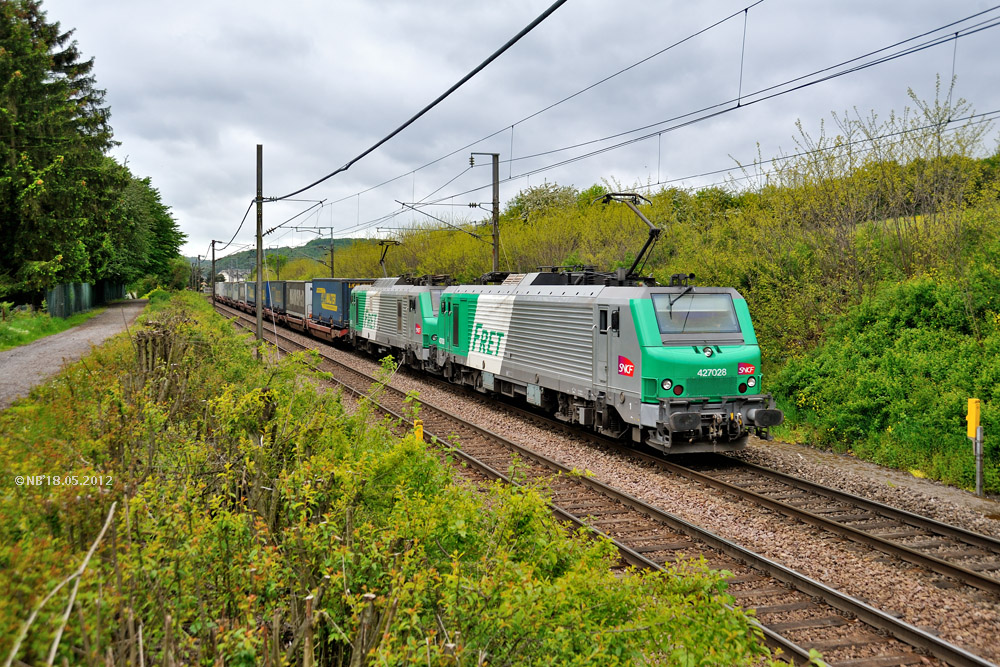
{"x":553,"y":105}
{"x":737,"y":100}
{"x":733,"y":104}
{"x":720,"y":108}
{"x":971,"y":119}
{"x":496,"y":54}
{"x":727,"y":107}
{"x":300,"y":213}
{"x":252,"y":202}
{"x":445,"y":222}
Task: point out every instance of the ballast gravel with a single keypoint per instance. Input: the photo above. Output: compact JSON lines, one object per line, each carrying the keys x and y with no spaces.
{"x":966,"y":617}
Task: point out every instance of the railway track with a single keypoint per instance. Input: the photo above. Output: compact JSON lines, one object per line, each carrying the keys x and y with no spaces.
{"x":965,"y":557}
{"x":968,"y":558}
{"x":796,"y":612}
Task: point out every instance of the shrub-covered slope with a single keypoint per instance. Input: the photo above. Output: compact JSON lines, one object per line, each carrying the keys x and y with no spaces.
{"x":891,"y":379}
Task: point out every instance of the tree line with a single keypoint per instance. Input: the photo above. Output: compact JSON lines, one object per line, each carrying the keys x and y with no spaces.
{"x":68,"y":211}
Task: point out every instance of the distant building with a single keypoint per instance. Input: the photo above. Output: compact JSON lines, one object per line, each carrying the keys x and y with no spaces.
{"x":235,"y":275}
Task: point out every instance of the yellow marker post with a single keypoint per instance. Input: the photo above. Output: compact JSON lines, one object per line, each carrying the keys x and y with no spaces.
{"x":972,"y":418}
{"x":975,"y":433}
{"x":418,"y":429}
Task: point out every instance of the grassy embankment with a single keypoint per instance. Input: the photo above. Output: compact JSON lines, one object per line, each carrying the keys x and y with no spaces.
{"x":869,"y":261}
{"x":22,"y":328}
{"x":240,"y":496}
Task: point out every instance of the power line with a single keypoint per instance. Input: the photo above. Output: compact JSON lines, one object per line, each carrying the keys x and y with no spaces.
{"x":557,"y":103}
{"x":697,"y":116}
{"x":316,"y":203}
{"x":972,"y":119}
{"x":726,"y":106}
{"x":714,"y":111}
{"x":252,"y":202}
{"x":496,"y":54}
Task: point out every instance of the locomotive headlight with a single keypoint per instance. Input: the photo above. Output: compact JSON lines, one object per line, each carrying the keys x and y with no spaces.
{"x":707,"y":351}
{"x":751,"y":381}
{"x":667,"y":384}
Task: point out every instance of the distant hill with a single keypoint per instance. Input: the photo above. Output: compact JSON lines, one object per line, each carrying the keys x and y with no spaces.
{"x":317,"y":248}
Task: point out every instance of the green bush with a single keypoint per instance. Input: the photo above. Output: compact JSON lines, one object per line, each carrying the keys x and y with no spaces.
{"x":891,"y":379}
{"x":158,"y":298}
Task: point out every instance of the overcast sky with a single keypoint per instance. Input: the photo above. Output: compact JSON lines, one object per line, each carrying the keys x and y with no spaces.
{"x":194,"y":87}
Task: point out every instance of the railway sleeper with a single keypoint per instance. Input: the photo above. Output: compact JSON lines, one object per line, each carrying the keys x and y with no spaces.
{"x":831,"y":621}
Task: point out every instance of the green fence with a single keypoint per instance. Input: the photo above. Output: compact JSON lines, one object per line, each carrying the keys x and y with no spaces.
{"x":70,"y":298}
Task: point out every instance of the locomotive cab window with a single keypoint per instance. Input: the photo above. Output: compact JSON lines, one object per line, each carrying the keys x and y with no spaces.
{"x":454,"y":325}
{"x":603,"y":321}
{"x":413,"y":304}
{"x":695,"y":313}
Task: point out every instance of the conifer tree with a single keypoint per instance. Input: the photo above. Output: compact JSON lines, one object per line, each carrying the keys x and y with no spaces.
{"x":55,"y":182}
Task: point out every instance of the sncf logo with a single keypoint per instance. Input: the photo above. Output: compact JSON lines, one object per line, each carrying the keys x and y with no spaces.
{"x":417,"y":328}
{"x":625,"y":366}
{"x":745,"y":369}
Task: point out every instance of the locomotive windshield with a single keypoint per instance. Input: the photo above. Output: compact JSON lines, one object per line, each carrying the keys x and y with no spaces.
{"x":695,"y":313}
{"x":436,"y":300}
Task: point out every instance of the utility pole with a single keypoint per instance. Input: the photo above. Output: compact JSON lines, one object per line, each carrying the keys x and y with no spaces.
{"x":213,"y":272}
{"x":496,"y":206}
{"x":331,"y":251}
{"x":496,"y":212}
{"x":197,"y":278}
{"x":260,"y":252}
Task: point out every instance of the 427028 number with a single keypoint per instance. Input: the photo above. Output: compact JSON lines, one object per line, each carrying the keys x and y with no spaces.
{"x":712,"y":372}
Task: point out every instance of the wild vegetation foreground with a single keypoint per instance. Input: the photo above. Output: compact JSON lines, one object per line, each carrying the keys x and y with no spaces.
{"x":188,"y":504}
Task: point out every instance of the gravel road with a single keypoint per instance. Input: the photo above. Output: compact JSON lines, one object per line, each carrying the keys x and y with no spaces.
{"x":22,"y":368}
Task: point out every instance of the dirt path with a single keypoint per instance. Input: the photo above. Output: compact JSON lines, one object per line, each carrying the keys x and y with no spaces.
{"x":21,"y":368}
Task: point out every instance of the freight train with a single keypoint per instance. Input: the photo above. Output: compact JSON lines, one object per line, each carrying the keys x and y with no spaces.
{"x":676,"y":367}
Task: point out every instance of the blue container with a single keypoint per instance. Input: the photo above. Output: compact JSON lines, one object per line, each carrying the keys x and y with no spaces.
{"x":274,"y":295}
{"x":331,"y":300}
{"x":251,"y":293}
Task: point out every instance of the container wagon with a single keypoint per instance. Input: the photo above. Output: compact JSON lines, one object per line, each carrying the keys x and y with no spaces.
{"x":298,"y":304}
{"x":330,"y":305}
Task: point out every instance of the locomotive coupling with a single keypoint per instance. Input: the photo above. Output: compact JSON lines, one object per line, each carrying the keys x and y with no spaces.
{"x":712,"y":421}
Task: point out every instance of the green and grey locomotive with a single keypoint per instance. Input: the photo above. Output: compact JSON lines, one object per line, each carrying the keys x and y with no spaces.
{"x":676,"y":367}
